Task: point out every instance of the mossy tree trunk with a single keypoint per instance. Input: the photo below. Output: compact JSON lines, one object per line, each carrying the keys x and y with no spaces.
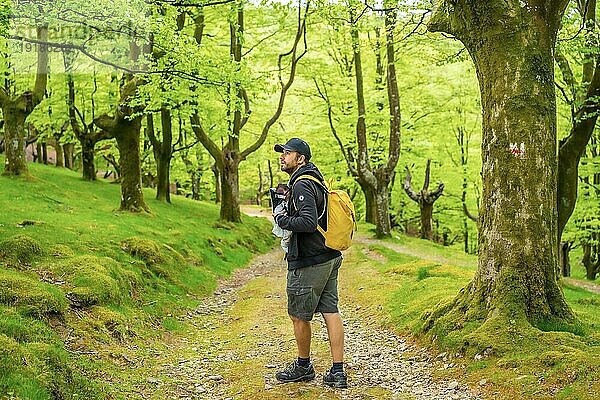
{"x":15,"y":110}
{"x":125,"y":127}
{"x":511,"y":44}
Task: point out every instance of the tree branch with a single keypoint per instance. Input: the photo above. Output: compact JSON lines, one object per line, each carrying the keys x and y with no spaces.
{"x":468,"y":214}
{"x":300,"y":35}
{"x":4,"y":97}
{"x":323,"y":94}
{"x":408,"y":187}
{"x":427,"y":174}
{"x":68,"y":46}
{"x":207,"y":142}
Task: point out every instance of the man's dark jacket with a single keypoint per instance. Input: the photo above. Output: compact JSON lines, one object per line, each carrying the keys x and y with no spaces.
{"x":305,"y":205}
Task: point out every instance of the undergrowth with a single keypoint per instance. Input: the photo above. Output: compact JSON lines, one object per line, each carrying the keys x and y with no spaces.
{"x":76,"y":274}
{"x":501,"y":357}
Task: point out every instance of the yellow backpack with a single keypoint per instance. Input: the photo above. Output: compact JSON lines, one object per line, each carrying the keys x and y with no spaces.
{"x":341,"y":218}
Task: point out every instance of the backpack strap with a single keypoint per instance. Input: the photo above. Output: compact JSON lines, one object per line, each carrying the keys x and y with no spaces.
{"x":321,"y":184}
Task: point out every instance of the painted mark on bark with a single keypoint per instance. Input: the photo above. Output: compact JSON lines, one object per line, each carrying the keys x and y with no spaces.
{"x":517,"y":150}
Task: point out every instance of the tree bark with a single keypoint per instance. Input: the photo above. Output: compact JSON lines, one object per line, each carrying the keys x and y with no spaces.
{"x":15,"y":110}
{"x":217,"y":174}
{"x":68,"y":149}
{"x":125,"y":128}
{"x":563,"y":260}
{"x":511,"y":47}
{"x":591,"y":261}
{"x":163,"y":152}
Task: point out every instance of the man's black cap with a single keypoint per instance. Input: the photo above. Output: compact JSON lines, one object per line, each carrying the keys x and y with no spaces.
{"x":297,"y":145}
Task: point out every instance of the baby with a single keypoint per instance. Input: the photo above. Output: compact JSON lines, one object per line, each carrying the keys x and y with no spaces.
{"x":278,"y":199}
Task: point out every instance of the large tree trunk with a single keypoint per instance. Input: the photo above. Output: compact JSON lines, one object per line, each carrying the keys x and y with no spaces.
{"x":15,"y":113}
{"x":511,"y":47}
{"x":126,"y":130}
{"x":16,"y":109}
{"x":128,"y":141}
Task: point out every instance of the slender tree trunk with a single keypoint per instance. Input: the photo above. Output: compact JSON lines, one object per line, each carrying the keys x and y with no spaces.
{"x":228,"y":157}
{"x":426,"y":217}
{"x":565,"y":266}
{"x":44,"y":153}
{"x":370,"y":204}
{"x":382,"y":212}
{"x":518,"y":241}
{"x":87,"y":159}
{"x":60,"y":156}
{"x":163,"y":154}
{"x":377,"y":179}
{"x":230,"y":190}
{"x":217,"y":181}
{"x":38,"y":153}
{"x":68,"y":149}
{"x":84,"y":133}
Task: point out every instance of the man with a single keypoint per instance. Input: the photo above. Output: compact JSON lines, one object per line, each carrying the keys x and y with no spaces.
{"x":312,"y":267}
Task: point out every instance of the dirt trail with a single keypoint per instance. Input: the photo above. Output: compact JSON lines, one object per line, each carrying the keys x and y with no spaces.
{"x":241,"y":336}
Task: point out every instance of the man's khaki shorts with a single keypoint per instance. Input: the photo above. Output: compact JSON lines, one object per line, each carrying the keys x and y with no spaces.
{"x":313,"y":289}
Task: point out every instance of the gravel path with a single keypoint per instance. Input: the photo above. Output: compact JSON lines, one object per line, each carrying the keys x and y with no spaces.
{"x":380,"y":364}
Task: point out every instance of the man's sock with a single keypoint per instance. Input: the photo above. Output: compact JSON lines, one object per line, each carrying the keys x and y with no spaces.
{"x":303,"y":362}
{"x":337,"y":367}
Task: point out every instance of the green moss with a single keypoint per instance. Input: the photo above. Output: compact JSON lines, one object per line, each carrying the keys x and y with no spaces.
{"x":61,"y":251}
{"x":423,"y":273}
{"x":112,"y":322}
{"x":30,"y":295}
{"x":146,"y":249}
{"x":19,"y":250}
{"x":94,"y":280}
{"x":23,"y":328}
{"x":38,"y":371}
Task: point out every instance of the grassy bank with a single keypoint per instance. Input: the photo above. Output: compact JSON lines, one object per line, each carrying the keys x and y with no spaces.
{"x":545,"y":362}
{"x":76,"y":274}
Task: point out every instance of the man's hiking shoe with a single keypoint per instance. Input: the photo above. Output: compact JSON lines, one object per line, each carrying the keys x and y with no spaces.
{"x":335,"y":379}
{"x":296,"y":373}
